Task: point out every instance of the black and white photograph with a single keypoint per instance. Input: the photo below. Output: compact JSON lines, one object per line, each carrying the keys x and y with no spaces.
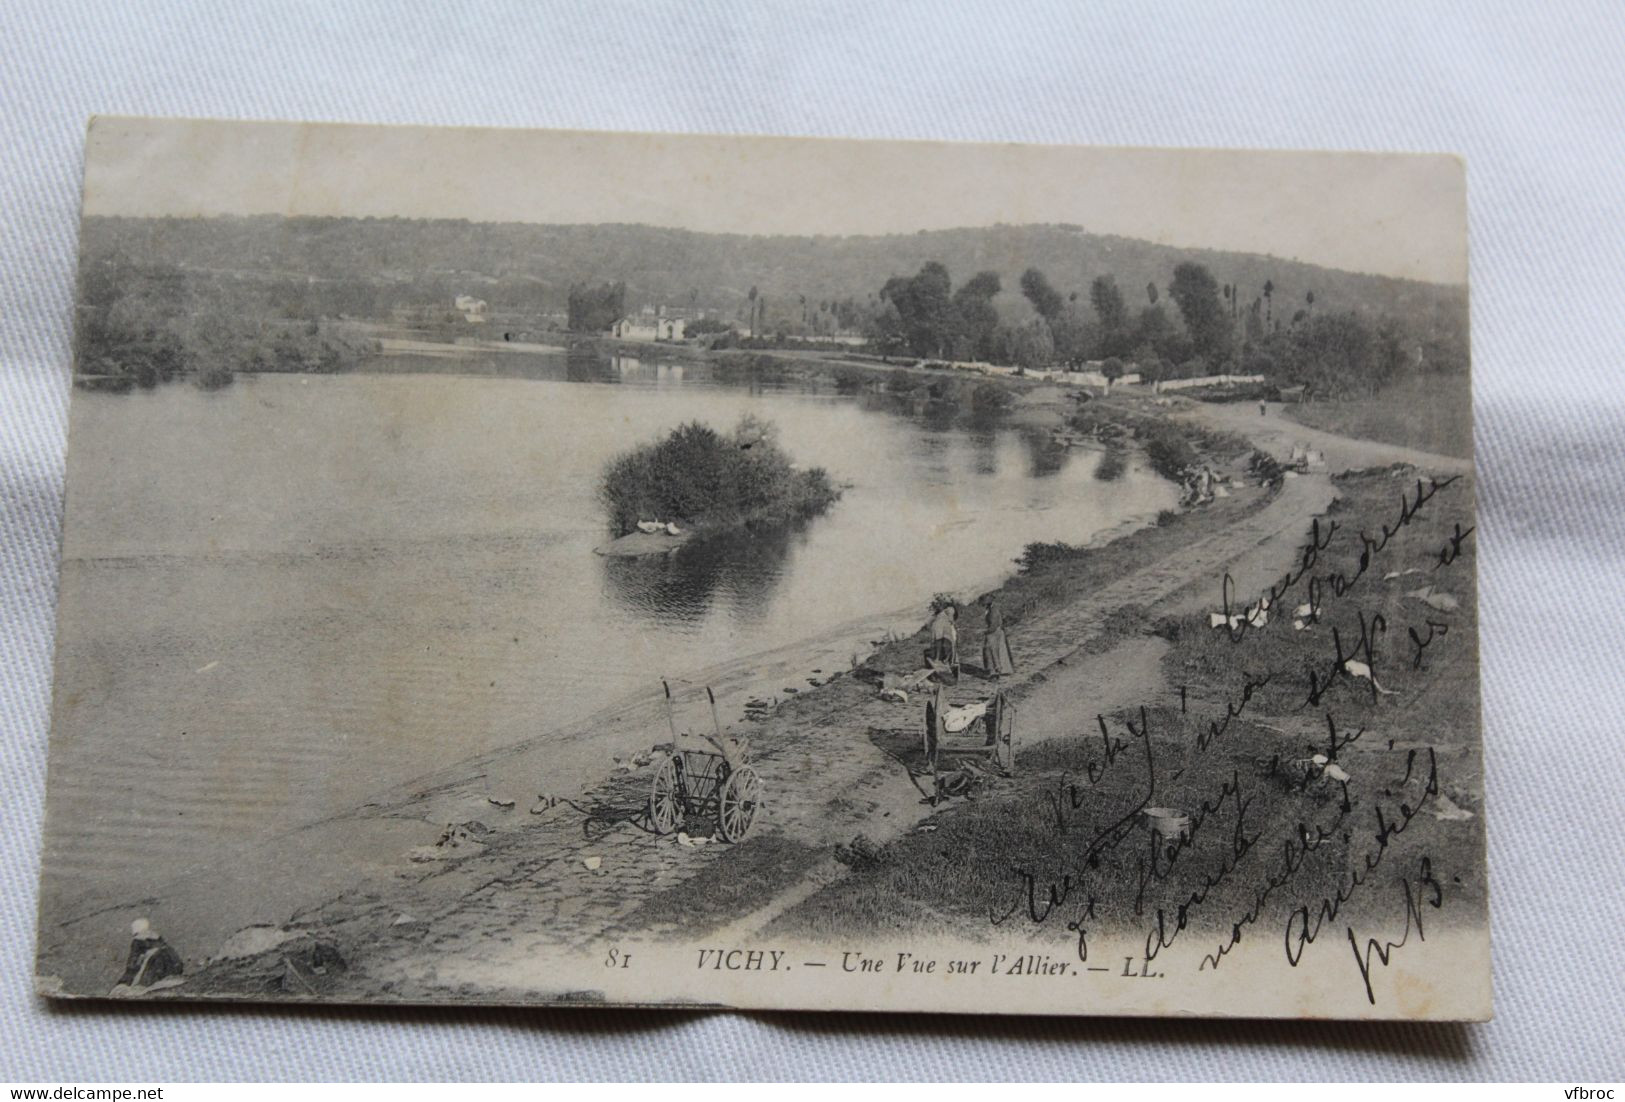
{"x":548,"y":567}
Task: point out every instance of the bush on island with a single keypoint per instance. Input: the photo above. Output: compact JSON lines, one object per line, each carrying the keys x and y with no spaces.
{"x":704,"y":480}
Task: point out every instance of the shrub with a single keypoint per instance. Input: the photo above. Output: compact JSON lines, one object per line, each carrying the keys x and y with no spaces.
{"x":1036,"y":556}
{"x":988,"y":397}
{"x":848,"y":381}
{"x":1167,"y":449}
{"x":702,"y":479}
{"x":705,"y":327}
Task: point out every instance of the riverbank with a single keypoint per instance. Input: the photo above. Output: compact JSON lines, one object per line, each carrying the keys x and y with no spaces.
{"x":848,"y":372}
{"x":417,"y":913}
{"x":827,"y":780}
{"x":440,"y":598}
{"x":462,"y":347}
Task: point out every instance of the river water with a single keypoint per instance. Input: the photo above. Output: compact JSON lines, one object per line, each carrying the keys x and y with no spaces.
{"x":288,"y":595}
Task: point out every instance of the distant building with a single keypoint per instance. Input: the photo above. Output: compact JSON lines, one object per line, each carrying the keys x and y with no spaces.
{"x":649,"y":328}
{"x":472,"y":309}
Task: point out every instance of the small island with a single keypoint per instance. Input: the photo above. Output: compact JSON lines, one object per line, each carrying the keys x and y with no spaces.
{"x":697,"y":482}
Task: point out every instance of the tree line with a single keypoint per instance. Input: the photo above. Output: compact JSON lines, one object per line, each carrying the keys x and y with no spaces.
{"x":141,"y":325}
{"x":1209,"y":331}
{"x":369,"y":267}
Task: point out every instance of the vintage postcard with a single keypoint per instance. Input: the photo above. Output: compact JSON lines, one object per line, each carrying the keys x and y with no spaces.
{"x":568,"y":568}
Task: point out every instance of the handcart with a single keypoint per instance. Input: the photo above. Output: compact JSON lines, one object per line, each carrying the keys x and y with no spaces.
{"x":704,"y":774}
{"x":984,"y":728}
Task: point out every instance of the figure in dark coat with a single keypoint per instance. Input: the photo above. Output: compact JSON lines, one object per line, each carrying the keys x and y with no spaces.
{"x":945,"y":636}
{"x":996,"y":659}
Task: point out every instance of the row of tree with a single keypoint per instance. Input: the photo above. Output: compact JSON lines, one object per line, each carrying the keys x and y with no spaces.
{"x":925,"y":315}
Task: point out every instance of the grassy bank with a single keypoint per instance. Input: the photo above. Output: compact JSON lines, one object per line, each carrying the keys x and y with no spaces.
{"x":1171,"y":447}
{"x":1430,"y":412}
{"x":1049,"y":574}
{"x":1068,"y":818}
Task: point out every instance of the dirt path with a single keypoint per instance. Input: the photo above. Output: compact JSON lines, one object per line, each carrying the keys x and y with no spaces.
{"x":1275,"y":434}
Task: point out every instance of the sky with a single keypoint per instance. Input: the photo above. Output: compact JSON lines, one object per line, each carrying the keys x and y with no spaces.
{"x":1399,"y":215}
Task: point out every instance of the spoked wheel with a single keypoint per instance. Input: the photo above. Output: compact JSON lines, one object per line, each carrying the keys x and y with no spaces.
{"x":1004,"y":738}
{"x":933,"y":725}
{"x":665,"y":801}
{"x":741,"y":799}
{"x":1004,"y":752}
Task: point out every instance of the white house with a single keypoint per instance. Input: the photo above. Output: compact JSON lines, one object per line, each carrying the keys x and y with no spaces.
{"x":472,"y":309}
{"x":656,"y":329}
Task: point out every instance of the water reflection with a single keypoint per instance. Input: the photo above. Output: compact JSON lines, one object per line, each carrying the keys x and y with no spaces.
{"x":984,"y":452}
{"x":585,"y":364}
{"x":738,"y":572}
{"x":631,"y":369}
{"x":1044,"y":456}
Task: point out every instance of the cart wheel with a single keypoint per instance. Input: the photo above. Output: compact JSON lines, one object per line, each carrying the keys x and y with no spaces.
{"x":741,"y":799}
{"x":665,"y":805}
{"x":1004,"y":738}
{"x":1004,"y":753}
{"x":933,"y":727}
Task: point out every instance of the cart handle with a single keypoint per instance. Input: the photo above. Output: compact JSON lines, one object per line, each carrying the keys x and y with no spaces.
{"x":715,"y":722}
{"x":671,"y":721}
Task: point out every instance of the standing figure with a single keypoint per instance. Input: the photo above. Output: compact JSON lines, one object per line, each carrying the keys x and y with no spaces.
{"x":945,"y":637}
{"x":996,"y":659}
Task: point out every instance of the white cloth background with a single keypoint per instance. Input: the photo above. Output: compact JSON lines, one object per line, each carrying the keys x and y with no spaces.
{"x":1531,"y":94}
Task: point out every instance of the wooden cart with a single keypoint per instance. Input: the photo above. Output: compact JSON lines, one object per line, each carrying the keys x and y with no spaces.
{"x":704,"y":774}
{"x":991,"y":735}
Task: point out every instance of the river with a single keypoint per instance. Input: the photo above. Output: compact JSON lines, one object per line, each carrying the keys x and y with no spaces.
{"x":297,"y":591}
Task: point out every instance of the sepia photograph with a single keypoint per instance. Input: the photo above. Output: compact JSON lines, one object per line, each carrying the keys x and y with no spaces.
{"x":579,"y":568}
